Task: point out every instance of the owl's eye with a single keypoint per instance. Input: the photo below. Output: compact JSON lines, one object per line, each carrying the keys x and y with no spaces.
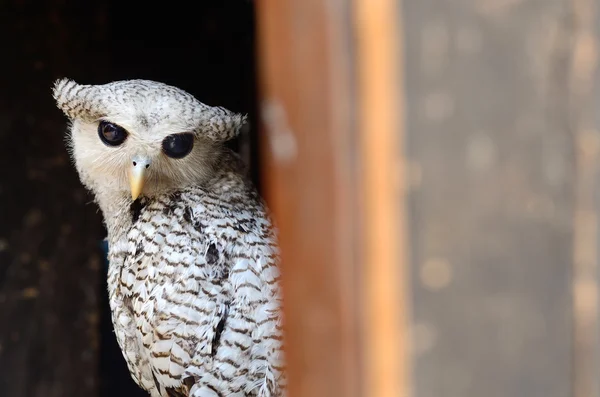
{"x":111,"y":134}
{"x":178,"y":145}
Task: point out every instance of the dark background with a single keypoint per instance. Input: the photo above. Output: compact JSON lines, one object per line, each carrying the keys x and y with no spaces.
{"x":55,"y":331}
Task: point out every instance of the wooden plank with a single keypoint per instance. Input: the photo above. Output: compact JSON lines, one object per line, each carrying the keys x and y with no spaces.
{"x":584,"y":95}
{"x":332,"y":161}
{"x":492,"y":205}
{"x":309,"y":177}
{"x":382,"y":181}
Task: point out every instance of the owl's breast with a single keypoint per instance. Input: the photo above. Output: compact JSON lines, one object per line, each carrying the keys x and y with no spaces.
{"x":169,"y":288}
{"x":194,"y":291}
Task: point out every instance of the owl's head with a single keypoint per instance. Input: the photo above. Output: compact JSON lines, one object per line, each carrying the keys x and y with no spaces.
{"x":142,"y":137}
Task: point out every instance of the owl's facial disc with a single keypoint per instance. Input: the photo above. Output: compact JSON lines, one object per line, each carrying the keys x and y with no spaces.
{"x":137,"y":175}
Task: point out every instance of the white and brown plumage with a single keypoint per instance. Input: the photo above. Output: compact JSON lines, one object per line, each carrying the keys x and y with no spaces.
{"x":193,"y":275}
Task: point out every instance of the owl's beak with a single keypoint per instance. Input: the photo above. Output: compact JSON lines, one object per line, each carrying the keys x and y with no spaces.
{"x":137,"y":175}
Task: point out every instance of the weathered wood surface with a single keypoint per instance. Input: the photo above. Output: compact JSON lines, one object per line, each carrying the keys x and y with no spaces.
{"x":500,"y":196}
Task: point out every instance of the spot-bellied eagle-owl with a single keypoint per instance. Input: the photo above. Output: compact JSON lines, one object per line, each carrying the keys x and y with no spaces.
{"x":193,"y":260}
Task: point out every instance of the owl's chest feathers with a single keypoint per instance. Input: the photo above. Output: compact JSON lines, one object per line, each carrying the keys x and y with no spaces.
{"x":161,"y":250}
{"x":183,"y":267}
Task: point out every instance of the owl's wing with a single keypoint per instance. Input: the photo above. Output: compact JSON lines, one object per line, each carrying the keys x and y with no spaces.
{"x":245,"y":347}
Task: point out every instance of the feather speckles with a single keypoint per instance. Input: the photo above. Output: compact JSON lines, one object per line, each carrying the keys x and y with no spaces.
{"x":90,"y":102}
{"x":200,"y":278}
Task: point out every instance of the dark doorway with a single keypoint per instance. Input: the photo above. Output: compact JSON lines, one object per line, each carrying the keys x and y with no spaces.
{"x":56,"y":337}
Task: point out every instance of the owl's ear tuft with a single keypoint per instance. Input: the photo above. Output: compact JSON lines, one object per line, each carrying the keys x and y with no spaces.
{"x":60,"y":86}
{"x":63,"y":93}
{"x":76,"y":100}
{"x":223,"y":125}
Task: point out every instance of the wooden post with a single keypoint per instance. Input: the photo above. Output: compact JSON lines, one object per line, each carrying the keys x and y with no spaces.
{"x":333,"y":170}
{"x":384,"y":259}
{"x":583,"y":122}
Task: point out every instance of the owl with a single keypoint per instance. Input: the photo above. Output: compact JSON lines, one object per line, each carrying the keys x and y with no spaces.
{"x":193,"y":276}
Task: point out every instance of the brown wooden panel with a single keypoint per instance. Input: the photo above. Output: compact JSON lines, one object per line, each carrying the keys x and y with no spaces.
{"x":333,"y":173}
{"x":309,"y":166}
{"x":382,"y":182}
{"x":492,"y":204}
{"x":584,"y":101}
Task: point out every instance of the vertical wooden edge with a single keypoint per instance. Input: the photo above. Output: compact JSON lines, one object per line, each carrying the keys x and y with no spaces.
{"x":349,"y":234}
{"x":585,"y":224}
{"x":385,"y":256}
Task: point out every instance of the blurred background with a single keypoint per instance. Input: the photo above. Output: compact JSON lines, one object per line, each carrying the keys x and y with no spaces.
{"x":432,"y":166}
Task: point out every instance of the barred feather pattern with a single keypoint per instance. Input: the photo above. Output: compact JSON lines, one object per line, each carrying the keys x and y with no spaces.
{"x":194,"y":290}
